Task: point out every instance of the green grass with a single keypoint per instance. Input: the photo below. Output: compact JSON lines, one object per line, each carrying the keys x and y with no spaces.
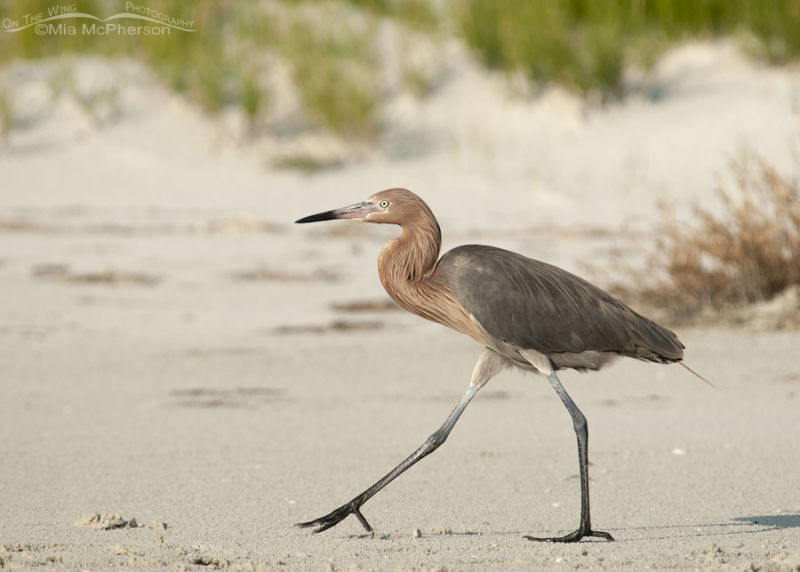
{"x":586,"y":44}
{"x":6,"y":115}
{"x":332,"y":50}
{"x":203,"y":65}
{"x":335,"y":69}
{"x":420,"y":15}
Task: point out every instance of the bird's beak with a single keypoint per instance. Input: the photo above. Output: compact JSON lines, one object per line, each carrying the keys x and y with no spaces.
{"x":358,"y":211}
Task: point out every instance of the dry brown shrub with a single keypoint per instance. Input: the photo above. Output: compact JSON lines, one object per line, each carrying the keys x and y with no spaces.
{"x":748,"y":253}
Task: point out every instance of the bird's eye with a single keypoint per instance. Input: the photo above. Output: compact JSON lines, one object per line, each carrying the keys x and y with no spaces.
{"x":384,"y":204}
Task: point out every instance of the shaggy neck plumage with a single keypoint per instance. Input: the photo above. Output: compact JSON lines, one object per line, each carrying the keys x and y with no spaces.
{"x":411,"y":257}
{"x":406,"y":267}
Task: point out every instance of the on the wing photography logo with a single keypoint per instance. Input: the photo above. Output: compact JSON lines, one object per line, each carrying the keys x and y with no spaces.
{"x":65,"y":20}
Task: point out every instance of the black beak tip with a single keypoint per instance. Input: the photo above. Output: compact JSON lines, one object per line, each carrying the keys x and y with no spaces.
{"x":314,"y":218}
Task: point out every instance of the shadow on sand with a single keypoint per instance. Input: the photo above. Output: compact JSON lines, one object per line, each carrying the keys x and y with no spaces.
{"x":772,"y":520}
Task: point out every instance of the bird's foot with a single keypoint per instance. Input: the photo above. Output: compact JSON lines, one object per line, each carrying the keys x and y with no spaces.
{"x":574,"y":536}
{"x":333,"y":518}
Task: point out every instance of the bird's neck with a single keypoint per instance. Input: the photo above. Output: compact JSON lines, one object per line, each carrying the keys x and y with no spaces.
{"x":409,"y":259}
{"x":407,"y":270}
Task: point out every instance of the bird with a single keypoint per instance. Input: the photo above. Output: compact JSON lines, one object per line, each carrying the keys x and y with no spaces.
{"x":526,"y":313}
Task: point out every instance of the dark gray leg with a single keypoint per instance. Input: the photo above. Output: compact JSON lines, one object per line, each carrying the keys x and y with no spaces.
{"x":489,"y":364}
{"x":582,"y":433}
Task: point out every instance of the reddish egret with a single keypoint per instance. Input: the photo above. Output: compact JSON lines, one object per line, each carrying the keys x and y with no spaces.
{"x":525,"y":313}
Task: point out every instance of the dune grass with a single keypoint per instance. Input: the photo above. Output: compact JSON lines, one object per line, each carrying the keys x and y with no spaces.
{"x":220,"y":64}
{"x":203,"y":65}
{"x":331,"y":45}
{"x":586,"y":45}
{"x":422,"y":15}
{"x":335,"y":68}
{"x":6,"y":115}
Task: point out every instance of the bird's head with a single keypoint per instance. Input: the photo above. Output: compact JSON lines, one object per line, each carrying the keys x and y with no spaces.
{"x":392,"y":206}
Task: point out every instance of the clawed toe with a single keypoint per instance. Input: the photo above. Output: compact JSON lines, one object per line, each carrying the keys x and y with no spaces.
{"x":333,"y":518}
{"x":573,"y":536}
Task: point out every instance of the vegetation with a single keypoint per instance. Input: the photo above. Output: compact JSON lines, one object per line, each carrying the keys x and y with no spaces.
{"x":583,"y":44}
{"x":6,"y":115}
{"x":748,"y":253}
{"x":418,"y":14}
{"x":335,"y":69}
{"x":586,"y":45}
{"x":222,"y":62}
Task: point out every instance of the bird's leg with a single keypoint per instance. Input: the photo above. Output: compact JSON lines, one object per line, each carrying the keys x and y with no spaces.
{"x":582,"y":432}
{"x":430,"y":445}
{"x":489,"y":364}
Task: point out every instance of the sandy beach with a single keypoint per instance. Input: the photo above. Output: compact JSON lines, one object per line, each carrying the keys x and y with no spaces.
{"x":173,"y":350}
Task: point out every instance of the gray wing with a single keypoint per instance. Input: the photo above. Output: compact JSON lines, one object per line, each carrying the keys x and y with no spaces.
{"x":534,"y":305}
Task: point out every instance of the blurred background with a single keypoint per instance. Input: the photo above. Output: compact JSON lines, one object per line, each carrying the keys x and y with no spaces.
{"x":345,"y":60}
{"x":579,"y":113}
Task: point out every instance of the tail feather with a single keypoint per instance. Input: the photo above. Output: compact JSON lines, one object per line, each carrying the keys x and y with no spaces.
{"x":693,"y":372}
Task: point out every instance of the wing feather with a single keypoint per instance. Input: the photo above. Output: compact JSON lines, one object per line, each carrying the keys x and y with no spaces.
{"x":535,"y":305}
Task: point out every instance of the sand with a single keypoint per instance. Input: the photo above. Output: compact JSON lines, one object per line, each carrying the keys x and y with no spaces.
{"x":179,"y":387}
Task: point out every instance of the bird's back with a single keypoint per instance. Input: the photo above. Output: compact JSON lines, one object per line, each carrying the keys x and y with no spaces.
{"x":528,"y":304}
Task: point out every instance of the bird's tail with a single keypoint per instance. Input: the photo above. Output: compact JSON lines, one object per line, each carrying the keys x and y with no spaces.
{"x":694,"y":373}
